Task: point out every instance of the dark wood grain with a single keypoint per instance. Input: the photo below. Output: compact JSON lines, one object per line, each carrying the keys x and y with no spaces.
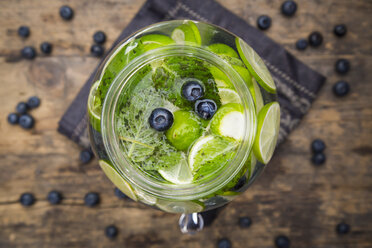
{"x":292,"y":197}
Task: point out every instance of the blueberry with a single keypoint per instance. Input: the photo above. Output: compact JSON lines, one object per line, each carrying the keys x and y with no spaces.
{"x":13,"y":118}
{"x":26,"y":121}
{"x":86,"y":156}
{"x":161,"y":119}
{"x":245,"y":222}
{"x":27,"y":199}
{"x":341,"y":88}
{"x":315,"y":39}
{"x":342,"y":66}
{"x":54,"y":197}
{"x":263,"y":22}
{"x":340,"y":30}
{"x":205,"y":108}
{"x":33,"y":102}
{"x":28,"y":52}
{"x":111,"y":231}
{"x":224,"y":243}
{"x":91,"y":199}
{"x":66,"y":12}
{"x":192,"y":91}
{"x":342,"y":228}
{"x":46,"y":47}
{"x":318,"y":158}
{"x":24,"y":31}
{"x":318,"y":145}
{"x":301,"y":44}
{"x":120,"y":194}
{"x":22,"y":108}
{"x":282,"y":242}
{"x":289,"y":8}
{"x":99,"y":37}
{"x":96,"y":50}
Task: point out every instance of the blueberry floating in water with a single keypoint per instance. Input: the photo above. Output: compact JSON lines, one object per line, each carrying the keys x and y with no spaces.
{"x":245,"y":222}
{"x":111,"y":231}
{"x":66,"y":12}
{"x":263,"y":22}
{"x":317,"y":145}
{"x":161,"y":119}
{"x":54,"y":197}
{"x":342,"y":66}
{"x":340,"y":30}
{"x":282,"y":242}
{"x":26,"y":121}
{"x":224,"y":243}
{"x":27,"y":199}
{"x":24,"y":31}
{"x":99,"y":37}
{"x":289,"y":8}
{"x":301,"y":44}
{"x":341,"y":88}
{"x":46,"y":47}
{"x":192,"y":91}
{"x":318,"y":158}
{"x":86,"y":156}
{"x":91,"y":199}
{"x":13,"y":118}
{"x":96,"y":50}
{"x":33,"y":102}
{"x":342,"y":228}
{"x":28,"y":52}
{"x":315,"y":39}
{"x":205,"y":108}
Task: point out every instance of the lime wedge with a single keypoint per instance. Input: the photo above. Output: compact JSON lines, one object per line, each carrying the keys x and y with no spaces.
{"x":229,"y":121}
{"x":255,"y":65}
{"x":186,"y":207}
{"x":196,"y":32}
{"x":180,"y":173}
{"x":93,"y":108}
{"x":184,"y":34}
{"x":228,"y":96}
{"x":268,"y":121}
{"x":222,"y":49}
{"x":117,"y":180}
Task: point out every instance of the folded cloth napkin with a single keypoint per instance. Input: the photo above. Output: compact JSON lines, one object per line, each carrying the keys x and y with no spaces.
{"x":297,"y":85}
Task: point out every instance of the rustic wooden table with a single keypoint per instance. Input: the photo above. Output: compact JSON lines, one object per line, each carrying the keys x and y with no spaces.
{"x":293,"y":197}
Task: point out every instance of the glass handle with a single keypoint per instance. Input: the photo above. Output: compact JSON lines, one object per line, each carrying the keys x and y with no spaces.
{"x":191,"y":223}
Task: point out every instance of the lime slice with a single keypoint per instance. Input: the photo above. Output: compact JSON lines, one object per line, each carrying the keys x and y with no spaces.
{"x":180,"y":173}
{"x":145,"y":198}
{"x":222,"y":49}
{"x":268,"y":121}
{"x":196,"y":32}
{"x":152,"y":41}
{"x":228,"y":96}
{"x":243,"y":72}
{"x":93,"y":108}
{"x":186,"y":207}
{"x":222,"y":81}
{"x":256,"y":94}
{"x":229,"y":121}
{"x":255,"y":65}
{"x":117,"y":180}
{"x":252,"y":165}
{"x":183,"y":34}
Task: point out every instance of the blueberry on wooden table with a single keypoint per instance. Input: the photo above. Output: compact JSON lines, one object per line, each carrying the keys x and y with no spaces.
{"x":342,"y":228}
{"x":318,"y":158}
{"x":91,"y":199}
{"x":66,"y":12}
{"x":26,"y":121}
{"x":33,"y":102}
{"x":315,"y":39}
{"x":120,"y":194}
{"x":85,"y":156}
{"x":245,"y":222}
{"x":54,"y":197}
{"x":301,"y":44}
{"x":13,"y":118}
{"x":282,"y":242}
{"x":99,"y":37}
{"x":24,"y":31}
{"x":161,"y":119}
{"x":28,"y":52}
{"x":342,"y":66}
{"x":224,"y":243}
{"x":96,"y":50}
{"x":22,"y":108}
{"x":111,"y":231}
{"x":340,"y":30}
{"x":205,"y":108}
{"x":27,"y":199}
{"x":192,"y":91}
{"x":318,"y":145}
{"x":263,"y":22}
{"x":341,"y":88}
{"x":46,"y":47}
{"x":289,"y":8}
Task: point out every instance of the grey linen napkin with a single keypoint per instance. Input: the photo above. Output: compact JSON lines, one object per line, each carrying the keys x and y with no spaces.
{"x":297,"y":84}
